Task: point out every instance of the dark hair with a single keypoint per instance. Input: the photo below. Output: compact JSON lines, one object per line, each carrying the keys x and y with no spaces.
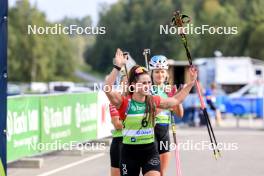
{"x":150,"y":106}
{"x":133,"y":76}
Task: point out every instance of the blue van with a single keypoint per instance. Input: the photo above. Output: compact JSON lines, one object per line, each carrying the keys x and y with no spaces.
{"x":247,"y":100}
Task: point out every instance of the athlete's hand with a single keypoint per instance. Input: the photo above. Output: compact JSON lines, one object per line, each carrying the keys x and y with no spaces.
{"x":120,"y":59}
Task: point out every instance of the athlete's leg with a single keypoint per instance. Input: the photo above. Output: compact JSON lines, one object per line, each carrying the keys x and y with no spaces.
{"x":152,"y":173}
{"x":151,"y":166}
{"x":129,"y":164}
{"x":129,"y":167}
{"x":163,"y":140}
{"x":218,"y":117}
{"x":115,"y":171}
{"x":164,"y":162}
{"x":115,"y":152}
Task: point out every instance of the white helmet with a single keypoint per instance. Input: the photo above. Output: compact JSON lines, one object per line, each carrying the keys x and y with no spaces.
{"x":158,"y":62}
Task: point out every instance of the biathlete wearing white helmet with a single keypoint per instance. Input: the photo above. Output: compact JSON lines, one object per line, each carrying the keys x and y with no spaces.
{"x":160,"y":62}
{"x":158,"y":66}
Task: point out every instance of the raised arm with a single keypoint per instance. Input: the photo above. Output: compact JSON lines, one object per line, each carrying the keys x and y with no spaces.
{"x":177,"y":99}
{"x":114,"y":96}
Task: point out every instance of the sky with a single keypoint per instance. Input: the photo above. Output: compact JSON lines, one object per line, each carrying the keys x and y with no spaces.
{"x":57,"y":9}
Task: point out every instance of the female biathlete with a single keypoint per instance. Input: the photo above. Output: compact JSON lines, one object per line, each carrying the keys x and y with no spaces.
{"x":115,"y":148}
{"x":138,"y":113}
{"x":158,"y":66}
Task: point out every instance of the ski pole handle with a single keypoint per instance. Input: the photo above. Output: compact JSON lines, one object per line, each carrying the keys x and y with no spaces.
{"x":146,"y":52}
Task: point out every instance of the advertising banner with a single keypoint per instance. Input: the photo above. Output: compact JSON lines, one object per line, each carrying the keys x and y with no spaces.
{"x":67,"y":119}
{"x":23,"y":126}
